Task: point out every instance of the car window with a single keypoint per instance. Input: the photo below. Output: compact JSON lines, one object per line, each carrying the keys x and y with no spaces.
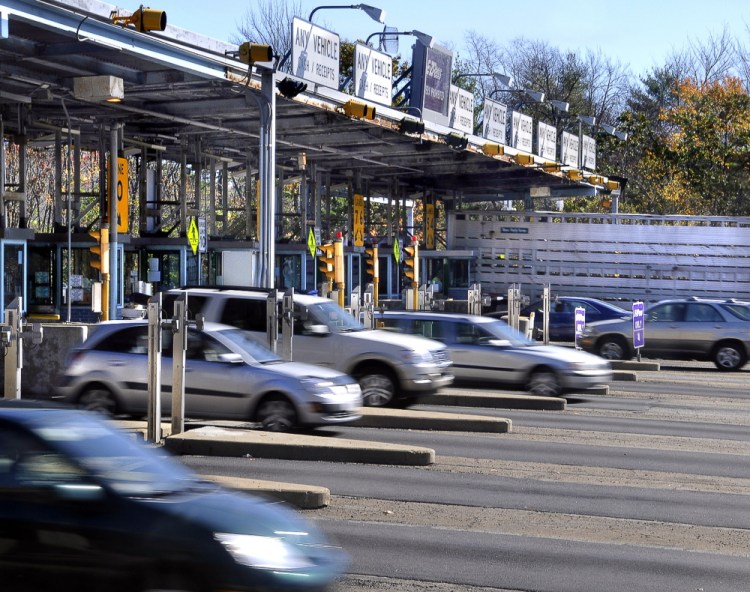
{"x":204,"y":347}
{"x":702,"y":313}
{"x":26,"y":461}
{"x":669,"y":312}
{"x":741,"y":311}
{"x":128,"y":340}
{"x":245,"y":313}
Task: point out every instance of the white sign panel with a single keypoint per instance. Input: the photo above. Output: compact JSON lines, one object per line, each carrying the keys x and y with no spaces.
{"x":588,"y":153}
{"x":546,"y":141}
{"x":494,"y":118}
{"x":373,"y":74}
{"x":521,"y":131}
{"x":461,"y":110}
{"x":569,"y":150}
{"x":315,"y":53}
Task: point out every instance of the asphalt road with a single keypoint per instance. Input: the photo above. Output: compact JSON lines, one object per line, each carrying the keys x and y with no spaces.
{"x":645,"y":488}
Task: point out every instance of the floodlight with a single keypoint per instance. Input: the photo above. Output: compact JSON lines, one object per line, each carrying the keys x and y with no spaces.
{"x":143,"y":19}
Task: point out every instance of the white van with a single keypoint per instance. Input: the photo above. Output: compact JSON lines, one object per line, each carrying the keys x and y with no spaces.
{"x":391,"y":368}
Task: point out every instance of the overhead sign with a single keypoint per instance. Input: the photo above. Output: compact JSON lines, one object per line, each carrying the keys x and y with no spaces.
{"x":358,"y":214}
{"x":546,"y":141}
{"x":521,"y":131}
{"x":315,"y":53}
{"x":373,"y":74}
{"x":494,"y":119}
{"x":588,"y":153}
{"x":461,"y":110}
{"x":639,"y":325}
{"x":569,"y":149}
{"x":431,"y":82}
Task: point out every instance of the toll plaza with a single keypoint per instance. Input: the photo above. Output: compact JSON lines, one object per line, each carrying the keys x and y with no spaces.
{"x":138,"y":157}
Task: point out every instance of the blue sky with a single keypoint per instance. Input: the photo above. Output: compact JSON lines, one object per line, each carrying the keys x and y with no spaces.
{"x":637,"y":33}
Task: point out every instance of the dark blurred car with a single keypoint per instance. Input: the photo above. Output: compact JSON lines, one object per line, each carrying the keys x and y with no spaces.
{"x":562,"y":315}
{"x":693,"y":328}
{"x":228,"y":375}
{"x":88,"y":508}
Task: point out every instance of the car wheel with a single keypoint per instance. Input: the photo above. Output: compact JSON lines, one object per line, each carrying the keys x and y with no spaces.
{"x":98,"y":398}
{"x":276,"y":413}
{"x":729,"y":356}
{"x":544,"y":382}
{"x":378,"y":388}
{"x":612,"y":348}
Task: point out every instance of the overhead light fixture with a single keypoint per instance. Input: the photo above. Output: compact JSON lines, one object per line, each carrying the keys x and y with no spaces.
{"x":587,"y":119}
{"x":411,"y":125}
{"x":354,"y":108}
{"x":290,"y":88}
{"x":99,"y":88}
{"x":423,"y":38}
{"x":524,"y":159}
{"x":374,"y":13}
{"x":493,"y":149}
{"x":457,"y":141}
{"x":536,"y":96}
{"x":143,"y":19}
{"x":255,"y":52}
{"x":561,"y":106}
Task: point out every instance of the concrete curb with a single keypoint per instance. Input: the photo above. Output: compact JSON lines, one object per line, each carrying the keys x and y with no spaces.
{"x":431,"y":420}
{"x":495,"y":401}
{"x":306,"y":497}
{"x":624,"y":376}
{"x":215,"y":441}
{"x":633,"y":365}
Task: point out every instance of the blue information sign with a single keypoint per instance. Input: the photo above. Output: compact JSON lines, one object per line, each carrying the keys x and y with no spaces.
{"x":639,"y":334}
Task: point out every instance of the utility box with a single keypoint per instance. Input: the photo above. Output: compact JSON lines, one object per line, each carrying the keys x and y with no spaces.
{"x":238,"y":268}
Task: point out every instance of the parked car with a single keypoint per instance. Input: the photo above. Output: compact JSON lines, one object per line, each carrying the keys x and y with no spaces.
{"x":562,"y":315}
{"x":86,"y":507}
{"x":391,"y":370}
{"x":487,"y":349}
{"x":228,"y":375}
{"x":692,"y":328}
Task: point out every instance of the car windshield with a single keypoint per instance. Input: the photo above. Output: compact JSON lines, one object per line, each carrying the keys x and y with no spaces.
{"x":244,"y":341}
{"x":113,"y":457}
{"x":334,"y":317}
{"x":501,"y":331}
{"x":741,"y":311}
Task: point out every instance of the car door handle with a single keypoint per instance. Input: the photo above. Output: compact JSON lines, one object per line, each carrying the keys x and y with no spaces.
{"x":116,"y":363}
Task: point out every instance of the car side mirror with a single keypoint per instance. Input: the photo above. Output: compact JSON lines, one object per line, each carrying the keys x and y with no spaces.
{"x":318,"y":330}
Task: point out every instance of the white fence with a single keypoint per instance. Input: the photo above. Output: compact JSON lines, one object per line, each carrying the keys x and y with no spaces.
{"x":608,"y":256}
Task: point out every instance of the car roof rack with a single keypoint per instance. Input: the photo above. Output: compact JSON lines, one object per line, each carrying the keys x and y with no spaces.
{"x":226,"y":287}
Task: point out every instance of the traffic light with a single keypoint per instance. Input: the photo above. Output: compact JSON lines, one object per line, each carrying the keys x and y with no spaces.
{"x":255,"y":52}
{"x":371,"y":263}
{"x":101,"y":250}
{"x":411,"y":263}
{"x":327,"y":262}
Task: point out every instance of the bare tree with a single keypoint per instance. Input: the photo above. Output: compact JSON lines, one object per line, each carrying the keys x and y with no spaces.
{"x":270,"y":22}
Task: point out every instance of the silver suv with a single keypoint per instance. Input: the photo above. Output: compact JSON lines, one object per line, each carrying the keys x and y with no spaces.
{"x":228,"y":375}
{"x":391,"y":369}
{"x":691,"y":328}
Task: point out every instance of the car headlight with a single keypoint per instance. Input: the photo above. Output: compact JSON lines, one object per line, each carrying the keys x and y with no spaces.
{"x":263,"y":552}
{"x":417,"y":357}
{"x":318,"y":385}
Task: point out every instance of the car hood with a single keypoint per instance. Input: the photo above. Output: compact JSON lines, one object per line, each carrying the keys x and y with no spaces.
{"x":399,"y":339}
{"x":303,"y":370}
{"x":567,"y":354}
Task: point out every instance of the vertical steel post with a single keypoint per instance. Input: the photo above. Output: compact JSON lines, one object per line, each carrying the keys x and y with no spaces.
{"x":179,"y":346}
{"x":153,"y":413}
{"x":14,"y":351}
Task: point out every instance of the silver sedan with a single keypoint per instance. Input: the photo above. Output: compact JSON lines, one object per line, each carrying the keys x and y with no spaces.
{"x":488,"y":350}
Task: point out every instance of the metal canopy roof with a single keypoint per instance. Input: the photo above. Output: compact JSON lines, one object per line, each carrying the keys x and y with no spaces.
{"x":180,"y":88}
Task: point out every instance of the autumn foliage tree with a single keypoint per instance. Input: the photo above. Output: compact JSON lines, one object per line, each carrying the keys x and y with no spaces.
{"x":705,"y":152}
